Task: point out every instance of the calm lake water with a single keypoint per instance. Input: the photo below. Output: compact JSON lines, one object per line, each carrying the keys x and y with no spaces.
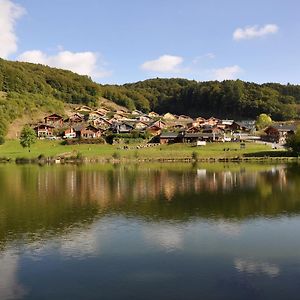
{"x":210,"y":231}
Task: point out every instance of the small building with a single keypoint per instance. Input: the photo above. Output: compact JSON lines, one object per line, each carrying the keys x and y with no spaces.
{"x":69,"y":133}
{"x":44,"y":130}
{"x":54,"y":119}
{"x":278,"y":133}
{"x":143,"y":118}
{"x":122,"y":128}
{"x":90,"y":132}
{"x":83,"y":108}
{"x":154,"y":130}
{"x":75,"y":118}
{"x":170,"y":137}
{"x":153,"y":114}
{"x":169,"y":116}
{"x":101,"y":122}
{"x":140,"y":125}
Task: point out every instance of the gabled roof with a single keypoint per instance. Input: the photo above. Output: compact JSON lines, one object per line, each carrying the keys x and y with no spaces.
{"x":284,"y":127}
{"x":54,"y":115}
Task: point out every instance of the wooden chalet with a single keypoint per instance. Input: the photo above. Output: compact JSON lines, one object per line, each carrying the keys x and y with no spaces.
{"x":170,"y":137}
{"x":101,"y":122}
{"x":90,"y":132}
{"x":154,"y":130}
{"x":169,"y":116}
{"x":54,"y":119}
{"x":153,"y":114}
{"x":70,"y":133}
{"x":75,"y":118}
{"x":83,"y":108}
{"x":44,"y":130}
{"x":278,"y":133}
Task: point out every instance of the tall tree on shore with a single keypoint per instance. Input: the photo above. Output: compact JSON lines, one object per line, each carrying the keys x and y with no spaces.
{"x":28,"y":137}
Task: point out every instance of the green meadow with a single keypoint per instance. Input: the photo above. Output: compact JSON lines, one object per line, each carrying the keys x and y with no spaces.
{"x":12,"y":150}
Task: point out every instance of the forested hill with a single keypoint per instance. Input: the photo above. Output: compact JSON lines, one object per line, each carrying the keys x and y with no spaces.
{"x":229,"y":98}
{"x":25,"y":88}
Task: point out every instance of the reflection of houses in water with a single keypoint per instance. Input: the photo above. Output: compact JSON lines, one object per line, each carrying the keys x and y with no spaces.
{"x":116,"y":185}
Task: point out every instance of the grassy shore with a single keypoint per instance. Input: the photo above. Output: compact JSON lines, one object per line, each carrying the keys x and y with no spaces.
{"x":12,"y":150}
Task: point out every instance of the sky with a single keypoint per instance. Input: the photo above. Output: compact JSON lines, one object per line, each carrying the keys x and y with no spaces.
{"x":120,"y":41}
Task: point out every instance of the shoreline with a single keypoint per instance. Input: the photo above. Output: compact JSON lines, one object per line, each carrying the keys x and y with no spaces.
{"x":99,"y":160}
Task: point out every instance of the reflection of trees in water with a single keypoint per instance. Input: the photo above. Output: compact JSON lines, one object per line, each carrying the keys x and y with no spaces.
{"x":35,"y":198}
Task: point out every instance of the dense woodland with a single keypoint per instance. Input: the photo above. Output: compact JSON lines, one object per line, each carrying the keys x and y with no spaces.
{"x":26,"y":88}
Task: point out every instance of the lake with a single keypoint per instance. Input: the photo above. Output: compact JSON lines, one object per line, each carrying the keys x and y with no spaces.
{"x":150,"y":231}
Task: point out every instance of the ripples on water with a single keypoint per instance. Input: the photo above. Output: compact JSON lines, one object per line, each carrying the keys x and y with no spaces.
{"x":151,"y":231}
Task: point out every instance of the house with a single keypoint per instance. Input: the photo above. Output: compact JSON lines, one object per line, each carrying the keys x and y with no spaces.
{"x":90,"y":132}
{"x":143,"y":118}
{"x":153,"y":114}
{"x":54,"y":119}
{"x":169,"y":116}
{"x":191,"y":137}
{"x":122,"y":127}
{"x":185,"y":118}
{"x":159,"y":123}
{"x":200,"y":120}
{"x":69,"y":133}
{"x":94,"y":115}
{"x":103,"y":110}
{"x":240,"y":126}
{"x":278,"y":133}
{"x":101,"y":122}
{"x":44,"y":130}
{"x":212,"y":121}
{"x":83,"y":108}
{"x":137,"y":112}
{"x":194,"y":129}
{"x":75,"y":118}
{"x":140,"y":125}
{"x":154,"y":130}
{"x":170,"y":137}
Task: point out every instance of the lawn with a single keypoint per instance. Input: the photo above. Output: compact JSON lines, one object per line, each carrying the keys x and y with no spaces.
{"x":12,"y":149}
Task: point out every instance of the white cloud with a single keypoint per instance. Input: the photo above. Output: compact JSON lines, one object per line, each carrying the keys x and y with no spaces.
{"x":84,"y":63}
{"x":9,"y":14}
{"x":230,"y":72}
{"x":251,"y":32}
{"x":164,"y":64}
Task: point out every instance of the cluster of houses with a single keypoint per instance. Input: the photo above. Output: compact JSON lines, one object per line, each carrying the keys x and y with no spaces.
{"x":87,"y":123}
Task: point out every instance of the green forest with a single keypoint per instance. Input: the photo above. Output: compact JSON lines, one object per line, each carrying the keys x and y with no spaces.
{"x":26,"y":87}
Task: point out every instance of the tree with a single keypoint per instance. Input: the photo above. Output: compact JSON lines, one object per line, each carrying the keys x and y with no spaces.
{"x":293,"y":142}
{"x":28,"y":137}
{"x":262,"y":121}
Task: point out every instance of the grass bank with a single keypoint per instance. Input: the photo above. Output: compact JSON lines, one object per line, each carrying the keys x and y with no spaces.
{"x":216,"y":151}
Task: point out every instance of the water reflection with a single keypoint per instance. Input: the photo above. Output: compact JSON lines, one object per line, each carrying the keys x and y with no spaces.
{"x":150,"y":231}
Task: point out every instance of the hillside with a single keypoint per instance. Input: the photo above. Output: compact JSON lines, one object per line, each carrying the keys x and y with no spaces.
{"x":227,"y":99}
{"x":28,"y":89}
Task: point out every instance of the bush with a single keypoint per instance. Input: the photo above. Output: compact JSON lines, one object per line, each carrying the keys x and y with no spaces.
{"x":2,"y":140}
{"x":195,"y":156}
{"x":116,"y":155}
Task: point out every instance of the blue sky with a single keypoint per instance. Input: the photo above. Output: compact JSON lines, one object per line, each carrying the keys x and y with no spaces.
{"x":118,"y":41}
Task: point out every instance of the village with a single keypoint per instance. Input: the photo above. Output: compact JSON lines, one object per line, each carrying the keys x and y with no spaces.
{"x":87,"y":125}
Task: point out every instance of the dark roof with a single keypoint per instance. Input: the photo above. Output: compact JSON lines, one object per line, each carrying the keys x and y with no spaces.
{"x":169,"y":135}
{"x":285,"y":127}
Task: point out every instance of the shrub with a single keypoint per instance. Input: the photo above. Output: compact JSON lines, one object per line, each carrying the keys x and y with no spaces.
{"x":195,"y":156}
{"x":116,"y":155}
{"x":2,"y":140}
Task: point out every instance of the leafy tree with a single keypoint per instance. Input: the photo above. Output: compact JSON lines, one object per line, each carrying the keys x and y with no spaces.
{"x":293,"y":142}
{"x":28,"y":137}
{"x":263,"y":120}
